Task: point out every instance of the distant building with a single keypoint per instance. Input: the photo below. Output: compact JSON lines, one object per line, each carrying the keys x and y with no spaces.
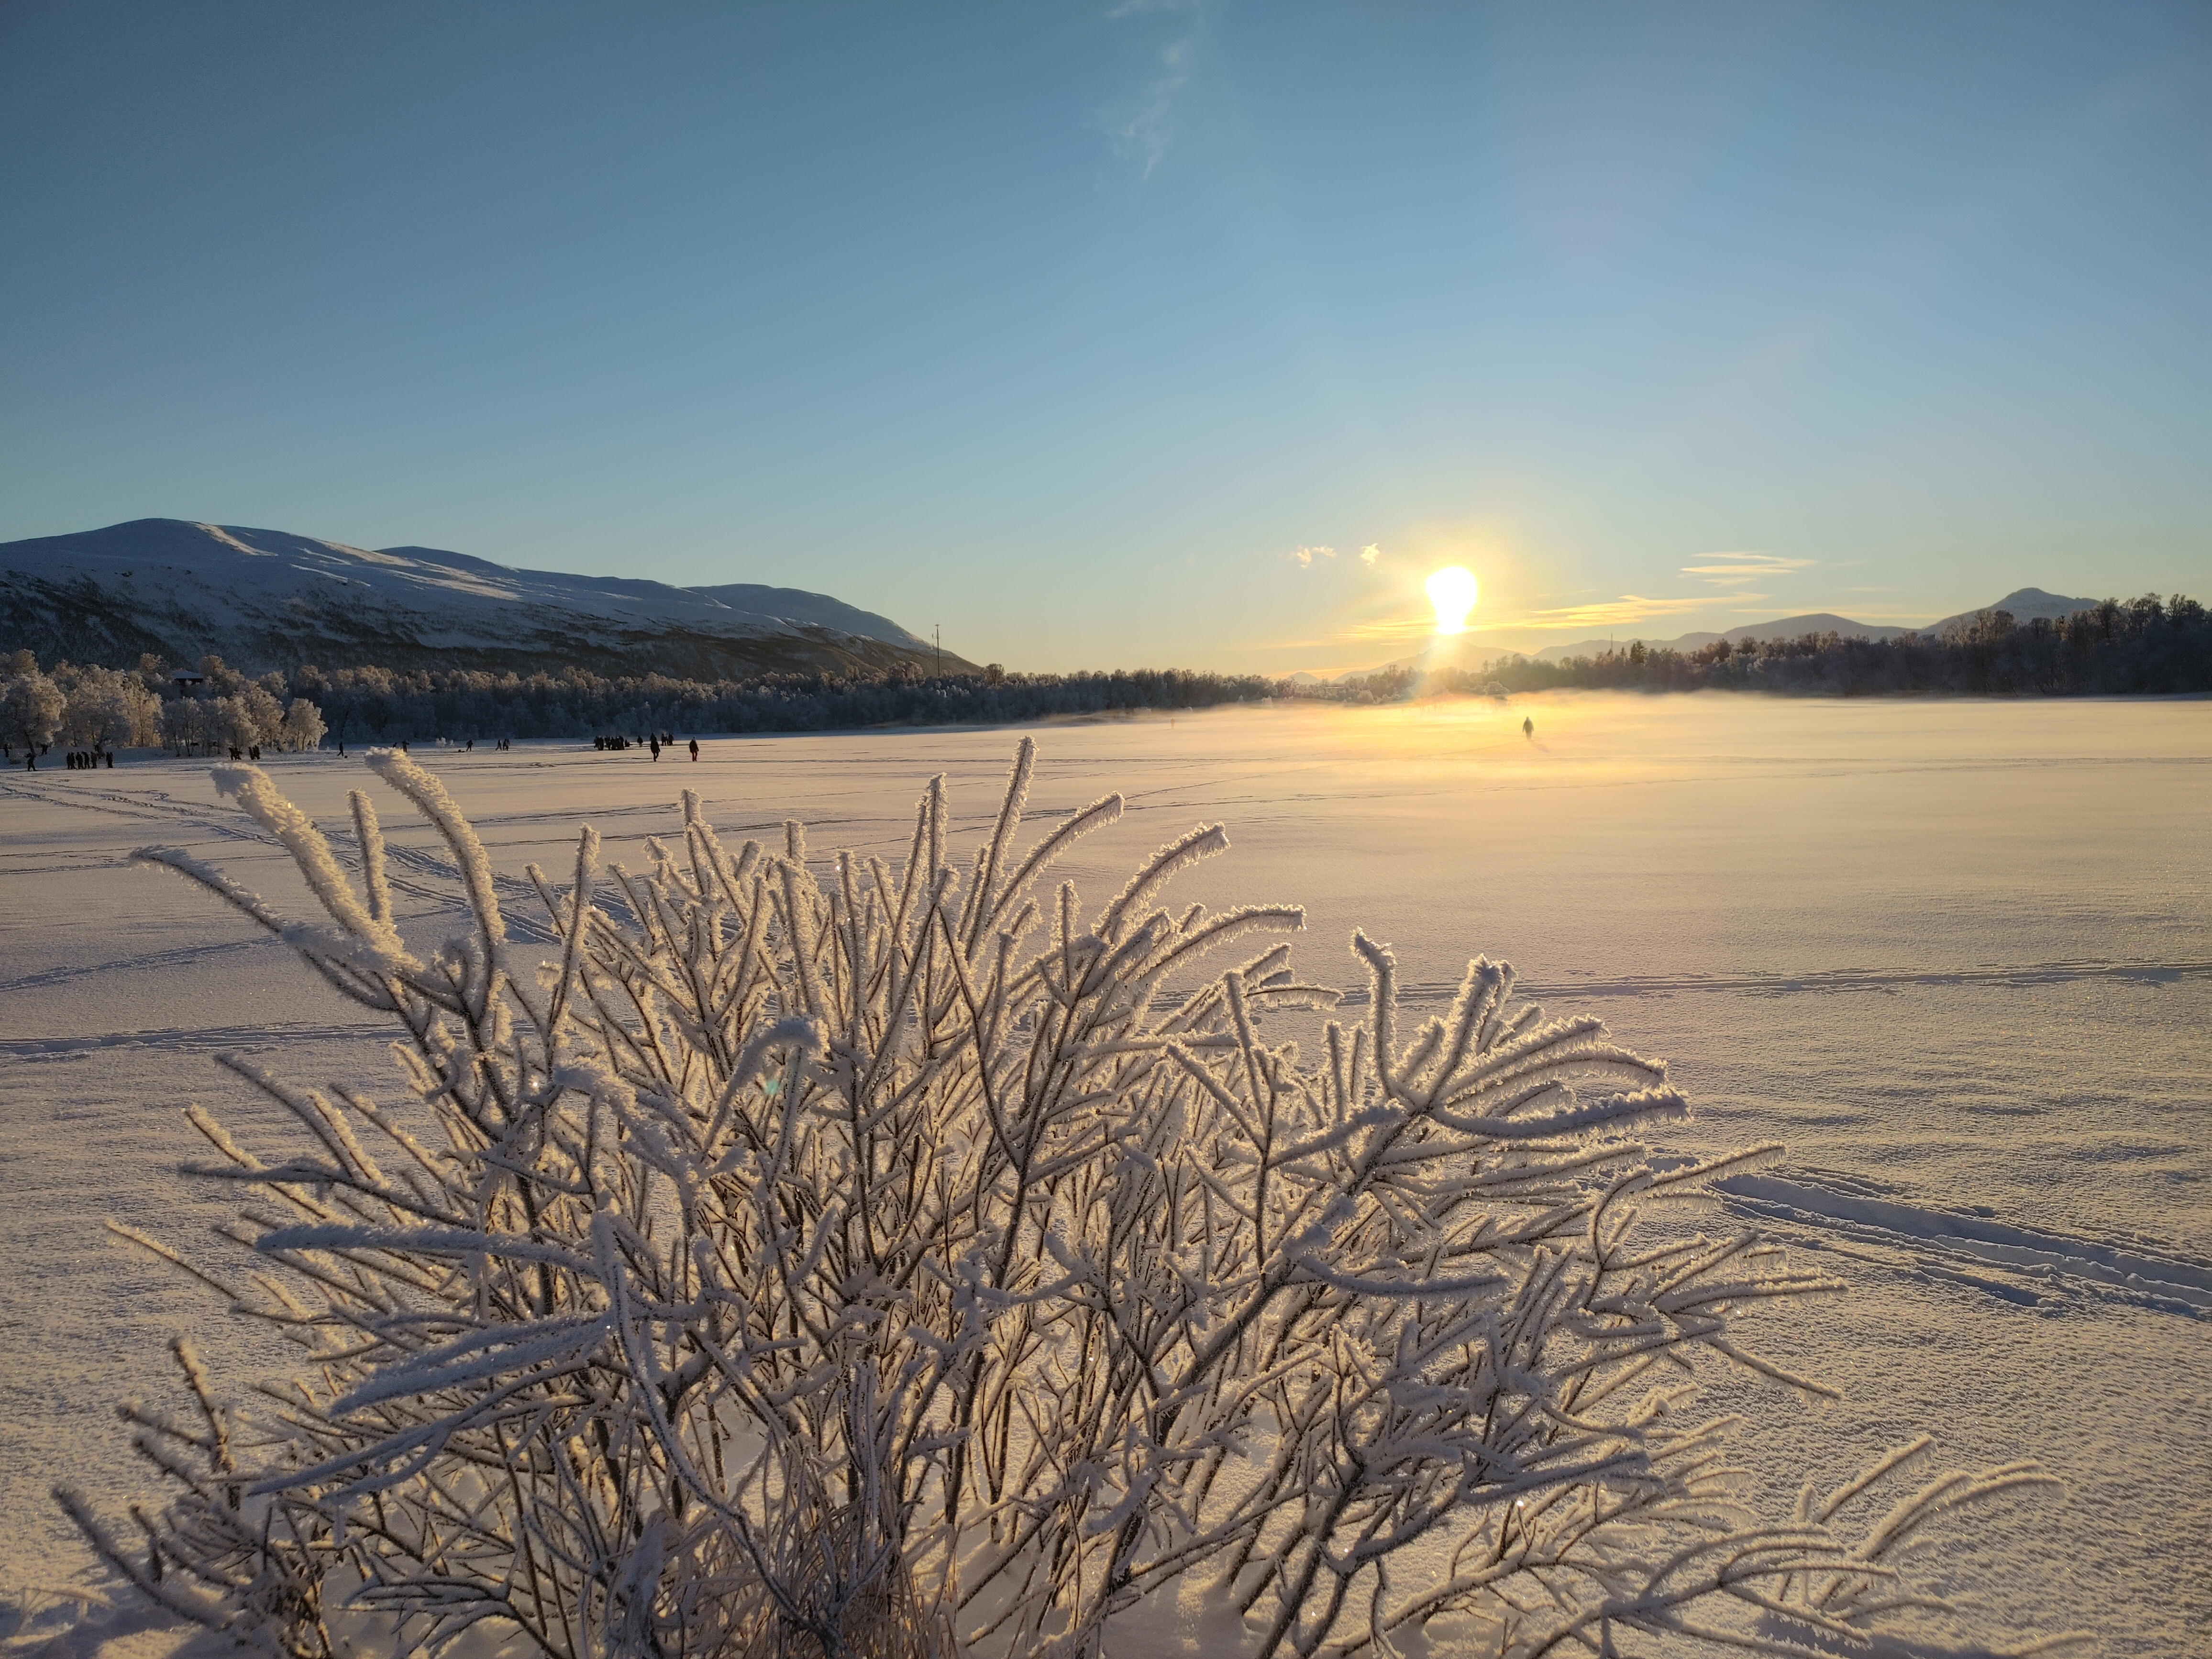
{"x":187,"y":685}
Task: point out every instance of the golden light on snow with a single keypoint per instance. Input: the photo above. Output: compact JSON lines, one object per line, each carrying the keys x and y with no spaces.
{"x":1452,"y":591}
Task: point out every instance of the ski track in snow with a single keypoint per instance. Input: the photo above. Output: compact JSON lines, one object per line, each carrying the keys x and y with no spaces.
{"x":210,"y":1040}
{"x":1824,"y":981}
{"x":140,"y":805}
{"x":185,"y":956}
{"x":1827,"y":1209}
{"x":2059,"y":984}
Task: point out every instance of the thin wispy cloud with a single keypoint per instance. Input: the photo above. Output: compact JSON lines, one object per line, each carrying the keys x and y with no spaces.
{"x":1392,"y":628}
{"x":1618,"y":613}
{"x":1370,"y":555}
{"x":1139,"y":129}
{"x":1624,"y":612}
{"x":1303,"y":557}
{"x":1734,"y":569}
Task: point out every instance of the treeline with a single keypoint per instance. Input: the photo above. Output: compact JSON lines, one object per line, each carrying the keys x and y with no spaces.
{"x":100,"y":710}
{"x":2136,"y":647}
{"x":2144,"y":646}
{"x":212,"y":707}
{"x":381,"y":706}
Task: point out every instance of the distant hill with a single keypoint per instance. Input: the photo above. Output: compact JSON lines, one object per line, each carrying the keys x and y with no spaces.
{"x":268,"y":598}
{"x":2025,"y":604}
{"x":1788,"y":627}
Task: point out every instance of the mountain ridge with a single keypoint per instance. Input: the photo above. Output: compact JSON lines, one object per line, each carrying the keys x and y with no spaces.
{"x":269,"y":598}
{"x":2024,"y":603}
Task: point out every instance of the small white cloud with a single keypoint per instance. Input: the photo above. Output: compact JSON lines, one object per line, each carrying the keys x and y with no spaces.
{"x":1303,"y":557}
{"x":1369,"y":554}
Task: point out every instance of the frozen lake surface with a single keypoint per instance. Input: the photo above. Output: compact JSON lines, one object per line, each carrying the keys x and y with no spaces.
{"x":1957,"y":955}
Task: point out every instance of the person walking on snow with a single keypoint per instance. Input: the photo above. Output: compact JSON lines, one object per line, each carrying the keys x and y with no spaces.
{"x":695,"y":749}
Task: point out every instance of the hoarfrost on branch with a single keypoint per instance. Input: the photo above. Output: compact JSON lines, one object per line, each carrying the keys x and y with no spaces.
{"x":842,"y":1257}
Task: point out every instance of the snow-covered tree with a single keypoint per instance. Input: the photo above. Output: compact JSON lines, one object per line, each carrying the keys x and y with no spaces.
{"x":31,"y":707}
{"x":250,"y":718}
{"x":111,"y":709}
{"x":222,"y":679}
{"x":231,"y":723}
{"x":265,"y":713}
{"x":861,"y":1257}
{"x":303,"y":726}
{"x":187,"y":724}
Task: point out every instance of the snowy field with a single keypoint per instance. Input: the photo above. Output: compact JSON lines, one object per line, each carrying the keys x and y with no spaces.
{"x":1957,"y":955}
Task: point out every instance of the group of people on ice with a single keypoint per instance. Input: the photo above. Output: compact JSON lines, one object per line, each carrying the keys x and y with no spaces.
{"x":78,"y":760}
{"x":655,"y":741}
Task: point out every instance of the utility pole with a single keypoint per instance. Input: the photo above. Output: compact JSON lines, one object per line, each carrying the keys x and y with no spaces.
{"x":940,"y":627}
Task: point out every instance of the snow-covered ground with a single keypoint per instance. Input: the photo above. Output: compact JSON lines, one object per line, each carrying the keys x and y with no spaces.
{"x":1958,"y":955}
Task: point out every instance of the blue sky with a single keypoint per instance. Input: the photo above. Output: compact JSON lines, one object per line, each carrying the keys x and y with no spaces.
{"x":1110,"y":336}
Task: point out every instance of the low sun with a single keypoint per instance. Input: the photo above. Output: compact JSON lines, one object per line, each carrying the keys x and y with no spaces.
{"x":1452,"y":591}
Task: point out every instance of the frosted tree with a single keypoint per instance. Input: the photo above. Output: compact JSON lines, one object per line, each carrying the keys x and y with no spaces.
{"x":302,"y":727}
{"x":231,"y":723}
{"x":111,"y":709}
{"x":261,"y":715}
{"x":31,"y":709}
{"x":851,"y":1257}
{"x":187,"y":724}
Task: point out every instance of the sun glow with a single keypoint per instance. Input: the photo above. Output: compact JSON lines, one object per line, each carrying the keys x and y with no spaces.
{"x":1452,"y":591}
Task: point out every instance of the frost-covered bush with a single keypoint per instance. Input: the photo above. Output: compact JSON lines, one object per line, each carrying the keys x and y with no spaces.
{"x":843,"y":1257}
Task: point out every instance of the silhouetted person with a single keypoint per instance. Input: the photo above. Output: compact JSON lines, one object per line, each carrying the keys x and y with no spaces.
{"x":1528,"y":728}
{"x":656,"y":748}
{"x":111,"y":760}
{"x":695,"y":749}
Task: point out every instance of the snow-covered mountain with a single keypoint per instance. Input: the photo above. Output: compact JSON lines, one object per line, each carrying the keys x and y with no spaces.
{"x":266,"y":598}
